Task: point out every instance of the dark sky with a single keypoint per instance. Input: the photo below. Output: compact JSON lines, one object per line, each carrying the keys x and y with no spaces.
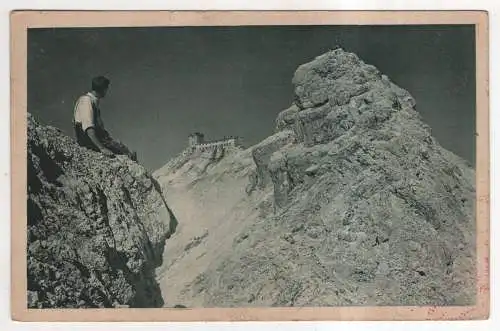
{"x":169,"y":82}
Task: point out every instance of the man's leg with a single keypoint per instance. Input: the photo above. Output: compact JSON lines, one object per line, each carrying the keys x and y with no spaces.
{"x":119,"y":148}
{"x":116,"y":147}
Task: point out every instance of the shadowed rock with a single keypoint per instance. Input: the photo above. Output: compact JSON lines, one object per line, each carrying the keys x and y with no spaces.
{"x":96,"y":226}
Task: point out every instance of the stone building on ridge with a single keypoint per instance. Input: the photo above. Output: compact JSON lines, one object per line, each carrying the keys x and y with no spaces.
{"x":196,"y":142}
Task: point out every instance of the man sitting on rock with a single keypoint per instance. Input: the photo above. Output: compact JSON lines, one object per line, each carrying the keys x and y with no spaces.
{"x":89,"y":128}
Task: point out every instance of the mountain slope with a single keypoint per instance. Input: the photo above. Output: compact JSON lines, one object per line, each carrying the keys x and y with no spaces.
{"x":350,"y":202}
{"x":96,"y":226}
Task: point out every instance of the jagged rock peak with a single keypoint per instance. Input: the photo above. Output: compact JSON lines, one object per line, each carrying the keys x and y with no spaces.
{"x":96,"y":226}
{"x":351,"y":202}
{"x":368,"y":208}
{"x":338,"y":76}
{"x":336,"y":92}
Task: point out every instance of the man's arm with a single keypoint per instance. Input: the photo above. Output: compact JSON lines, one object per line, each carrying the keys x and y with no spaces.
{"x":93,"y":136}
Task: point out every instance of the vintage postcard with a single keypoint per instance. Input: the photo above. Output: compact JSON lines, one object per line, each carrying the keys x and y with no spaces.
{"x":250,"y":165}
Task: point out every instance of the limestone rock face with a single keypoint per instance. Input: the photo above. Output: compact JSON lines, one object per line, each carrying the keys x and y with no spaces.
{"x":96,"y":226}
{"x":350,"y":202}
{"x":263,"y":151}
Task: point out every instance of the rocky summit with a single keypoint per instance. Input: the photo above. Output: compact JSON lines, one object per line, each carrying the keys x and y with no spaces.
{"x":351,"y":201}
{"x":96,"y":226}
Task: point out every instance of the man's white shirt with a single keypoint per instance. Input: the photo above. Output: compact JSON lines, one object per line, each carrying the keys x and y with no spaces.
{"x":84,"y":112}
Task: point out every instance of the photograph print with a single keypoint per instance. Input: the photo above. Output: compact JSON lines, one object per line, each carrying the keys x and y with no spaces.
{"x":246,"y":166}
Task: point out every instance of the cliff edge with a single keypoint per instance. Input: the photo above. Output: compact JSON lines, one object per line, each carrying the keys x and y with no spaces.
{"x":96,"y":226}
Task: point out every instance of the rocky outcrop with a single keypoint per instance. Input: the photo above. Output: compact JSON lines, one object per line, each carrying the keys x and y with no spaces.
{"x":96,"y":226}
{"x":262,"y":152}
{"x":350,"y":202}
{"x":346,"y":110}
